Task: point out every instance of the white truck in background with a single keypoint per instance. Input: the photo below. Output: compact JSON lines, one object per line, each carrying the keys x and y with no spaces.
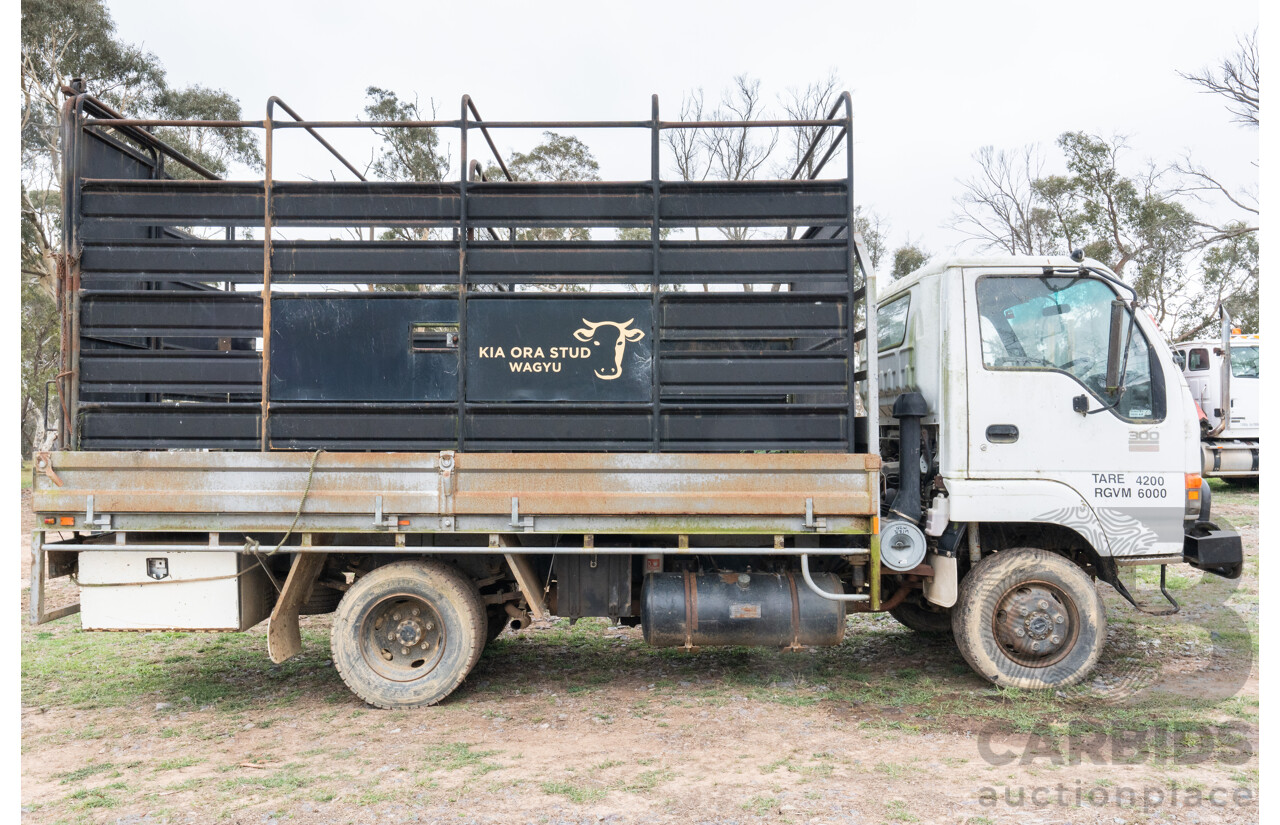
{"x":1222,"y":375}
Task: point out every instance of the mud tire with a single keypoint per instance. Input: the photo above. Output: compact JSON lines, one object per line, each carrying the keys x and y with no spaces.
{"x":1002,"y":581}
{"x":444,"y":595}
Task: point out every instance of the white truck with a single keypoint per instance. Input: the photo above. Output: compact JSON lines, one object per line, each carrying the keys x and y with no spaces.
{"x":523,"y":429}
{"x":1222,"y":374}
{"x":1058,"y":444}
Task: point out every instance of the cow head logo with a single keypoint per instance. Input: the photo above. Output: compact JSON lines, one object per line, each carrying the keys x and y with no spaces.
{"x":623,"y":333}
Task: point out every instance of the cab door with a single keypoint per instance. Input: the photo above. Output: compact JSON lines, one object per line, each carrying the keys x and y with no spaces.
{"x":1036,"y":350}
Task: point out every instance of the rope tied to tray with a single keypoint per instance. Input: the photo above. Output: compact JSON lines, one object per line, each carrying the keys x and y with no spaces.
{"x":251,"y":546}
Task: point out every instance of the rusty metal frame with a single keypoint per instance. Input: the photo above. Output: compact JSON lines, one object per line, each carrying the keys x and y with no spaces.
{"x":43,"y":569}
{"x":632,"y":493}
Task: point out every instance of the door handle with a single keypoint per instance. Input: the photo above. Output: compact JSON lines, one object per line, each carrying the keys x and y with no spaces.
{"x":1002,"y":433}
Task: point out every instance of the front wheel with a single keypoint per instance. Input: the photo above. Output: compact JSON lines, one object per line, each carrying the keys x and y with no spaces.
{"x":1028,"y":618}
{"x":406,"y":634}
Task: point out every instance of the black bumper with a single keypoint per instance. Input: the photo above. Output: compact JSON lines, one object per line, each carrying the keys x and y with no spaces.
{"x":1213,"y":550}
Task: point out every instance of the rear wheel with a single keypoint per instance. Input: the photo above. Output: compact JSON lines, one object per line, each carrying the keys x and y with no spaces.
{"x":923,"y":616}
{"x":408,"y":633}
{"x":1029,"y":618}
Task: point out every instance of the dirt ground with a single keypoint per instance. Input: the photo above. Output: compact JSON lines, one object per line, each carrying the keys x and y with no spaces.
{"x":584,"y":724}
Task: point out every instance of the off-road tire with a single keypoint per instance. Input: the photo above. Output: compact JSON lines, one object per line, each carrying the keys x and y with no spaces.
{"x":928,"y":619}
{"x":1004,"y":580}
{"x":321,"y":600}
{"x":444,"y":595}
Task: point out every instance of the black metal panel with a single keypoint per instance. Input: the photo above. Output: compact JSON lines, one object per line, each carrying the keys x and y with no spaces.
{"x":157,"y":371}
{"x":560,"y":204}
{"x":522,"y":429}
{"x":171,"y":202}
{"x":752,"y":374}
{"x":370,"y":427}
{"x":593,"y":586}
{"x":754,"y":203}
{"x":102,"y":156}
{"x":177,"y":314}
{"x":559,"y":349}
{"x":359,"y":347}
{"x":158,"y":427}
{"x":360,"y":203}
{"x":300,"y":262}
{"x":749,"y":429}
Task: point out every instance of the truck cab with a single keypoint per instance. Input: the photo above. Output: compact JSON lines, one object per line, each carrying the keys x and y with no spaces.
{"x":1222,"y":375}
{"x":1055,"y":420}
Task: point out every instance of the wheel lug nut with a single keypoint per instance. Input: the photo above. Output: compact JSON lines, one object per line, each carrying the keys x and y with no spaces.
{"x":415,"y":611}
{"x":1019,"y":631}
{"x":1056,"y":639}
{"x":1035,"y":645}
{"x":395,"y":616}
{"x":391,"y":637}
{"x":404,"y":651}
{"x":1043,"y":604}
{"x":1058,"y":619}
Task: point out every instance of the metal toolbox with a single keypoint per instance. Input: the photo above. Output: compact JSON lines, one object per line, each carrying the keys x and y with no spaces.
{"x":183,"y":590}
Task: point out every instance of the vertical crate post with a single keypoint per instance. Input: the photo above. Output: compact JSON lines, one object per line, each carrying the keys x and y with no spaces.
{"x":656,"y":296}
{"x":461,"y":428}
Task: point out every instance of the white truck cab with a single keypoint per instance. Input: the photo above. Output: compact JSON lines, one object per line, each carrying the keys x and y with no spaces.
{"x":1223,"y":377}
{"x":1056,"y":426}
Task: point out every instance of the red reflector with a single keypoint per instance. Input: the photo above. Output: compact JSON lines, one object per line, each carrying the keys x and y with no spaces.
{"x":49,"y":520}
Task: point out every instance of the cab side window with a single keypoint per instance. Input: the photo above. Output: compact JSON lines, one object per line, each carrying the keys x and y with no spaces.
{"x":1180,"y":358}
{"x":891,"y":323}
{"x":1062,"y":324}
{"x":1198,"y":360}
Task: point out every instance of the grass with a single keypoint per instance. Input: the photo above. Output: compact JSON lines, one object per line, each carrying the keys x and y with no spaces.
{"x":882,"y":679}
{"x":763,"y":805}
{"x":573,"y":791}
{"x":81,"y":774}
{"x":897,"y":811}
{"x":458,"y":755}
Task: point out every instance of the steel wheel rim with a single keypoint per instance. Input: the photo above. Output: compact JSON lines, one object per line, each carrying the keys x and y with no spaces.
{"x":1036,"y":624}
{"x":402,"y":637}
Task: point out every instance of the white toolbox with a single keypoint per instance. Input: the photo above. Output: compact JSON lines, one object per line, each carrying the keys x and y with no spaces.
{"x":184,"y":590}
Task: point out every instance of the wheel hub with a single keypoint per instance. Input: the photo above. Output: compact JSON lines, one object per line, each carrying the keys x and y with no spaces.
{"x":1033,"y":625}
{"x":402,"y":638}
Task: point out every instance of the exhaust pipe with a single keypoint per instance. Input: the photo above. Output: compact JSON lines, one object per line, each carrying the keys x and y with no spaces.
{"x":909,"y":408}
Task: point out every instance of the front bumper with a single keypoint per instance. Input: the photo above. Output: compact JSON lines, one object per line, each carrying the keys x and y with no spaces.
{"x":1213,"y":550}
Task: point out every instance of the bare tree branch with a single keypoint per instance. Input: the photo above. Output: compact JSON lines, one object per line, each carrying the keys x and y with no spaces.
{"x":1236,"y":79}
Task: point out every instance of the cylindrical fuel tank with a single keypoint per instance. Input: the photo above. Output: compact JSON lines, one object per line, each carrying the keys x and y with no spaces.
{"x":726,"y":608}
{"x":1233,"y":458}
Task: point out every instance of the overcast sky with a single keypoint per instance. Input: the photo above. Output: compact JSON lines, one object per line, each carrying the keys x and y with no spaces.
{"x":931,"y":82}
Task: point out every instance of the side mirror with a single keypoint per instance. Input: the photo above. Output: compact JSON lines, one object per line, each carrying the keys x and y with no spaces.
{"x":1115,"y":346}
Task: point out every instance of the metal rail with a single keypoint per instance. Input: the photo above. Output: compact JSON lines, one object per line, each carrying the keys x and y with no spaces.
{"x":274,"y":194}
